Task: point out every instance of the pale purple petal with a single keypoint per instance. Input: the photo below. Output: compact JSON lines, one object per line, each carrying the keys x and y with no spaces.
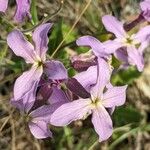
{"x":26,"y":102}
{"x":20,"y":46}
{"x":135,"y":58}
{"x":40,"y":39}
{"x":87,"y":78}
{"x":55,"y":70}
{"x":113,"y":25}
{"x":3,"y":5}
{"x":102,"y":123}
{"x":44,"y":112}
{"x":26,"y":81}
{"x":93,"y":43}
{"x":143,"y":46}
{"x":114,"y":96}
{"x":23,"y":10}
{"x":58,"y":96}
{"x":143,"y":35}
{"x":71,"y":111}
{"x":111,"y":46}
{"x":122,"y":54}
{"x":39,"y":129}
{"x":103,"y":78}
{"x":145,"y":7}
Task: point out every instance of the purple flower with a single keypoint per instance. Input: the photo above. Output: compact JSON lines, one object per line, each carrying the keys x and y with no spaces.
{"x":39,"y":119}
{"x":96,"y":105}
{"x":103,"y":50}
{"x":145,"y":7}
{"x":22,"y":11}
{"x":3,"y":5}
{"x":26,"y":85}
{"x":133,"y":45}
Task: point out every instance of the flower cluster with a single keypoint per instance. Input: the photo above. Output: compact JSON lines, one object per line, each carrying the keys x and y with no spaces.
{"x":46,"y":95}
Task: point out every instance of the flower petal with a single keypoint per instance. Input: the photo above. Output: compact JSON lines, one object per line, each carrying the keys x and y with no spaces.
{"x":71,"y":111}
{"x":55,"y":70}
{"x":44,"y":112}
{"x":93,"y":43}
{"x":20,"y":46}
{"x":103,"y":78}
{"x":102,"y":123}
{"x":3,"y":5}
{"x":26,"y":102}
{"x":135,"y":58}
{"x":114,"y":96}
{"x":145,"y":7}
{"x":26,"y":82}
{"x":58,"y":96}
{"x":113,"y":25}
{"x":40,"y":129}
{"x":143,"y":35}
{"x":23,"y":10}
{"x":122,"y":54}
{"x":111,"y":46}
{"x":87,"y":78}
{"x":40,"y":39}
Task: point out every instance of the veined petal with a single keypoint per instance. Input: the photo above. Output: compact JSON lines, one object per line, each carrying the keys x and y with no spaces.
{"x":114,"y":96}
{"x":71,"y":111}
{"x":111,"y":46}
{"x":122,"y":54}
{"x":39,"y":129}
{"x":26,"y":102}
{"x":44,"y":112}
{"x":23,"y":10}
{"x":102,"y":123}
{"x":113,"y":25}
{"x":55,"y":70}
{"x":3,"y":5}
{"x":143,"y":35}
{"x":87,"y":78}
{"x":145,"y":7}
{"x":103,"y":78}
{"x":40,"y":39}
{"x":20,"y":46}
{"x":135,"y":58}
{"x":26,"y":82}
{"x":93,"y":43}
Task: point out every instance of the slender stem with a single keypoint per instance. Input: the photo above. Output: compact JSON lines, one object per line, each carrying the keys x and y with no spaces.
{"x":75,"y":23}
{"x":44,"y":20}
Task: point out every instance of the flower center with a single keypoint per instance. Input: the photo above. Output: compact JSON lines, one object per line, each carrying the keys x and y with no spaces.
{"x":130,"y":41}
{"x":95,"y":102}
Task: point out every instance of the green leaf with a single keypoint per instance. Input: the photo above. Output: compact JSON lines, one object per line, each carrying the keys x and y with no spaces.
{"x":125,"y":76}
{"x":34,"y":12}
{"x":126,"y":115}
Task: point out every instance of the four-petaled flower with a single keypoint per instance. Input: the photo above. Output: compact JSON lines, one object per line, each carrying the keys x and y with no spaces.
{"x":26,"y":85}
{"x":132,"y":45}
{"x":97,"y":104}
